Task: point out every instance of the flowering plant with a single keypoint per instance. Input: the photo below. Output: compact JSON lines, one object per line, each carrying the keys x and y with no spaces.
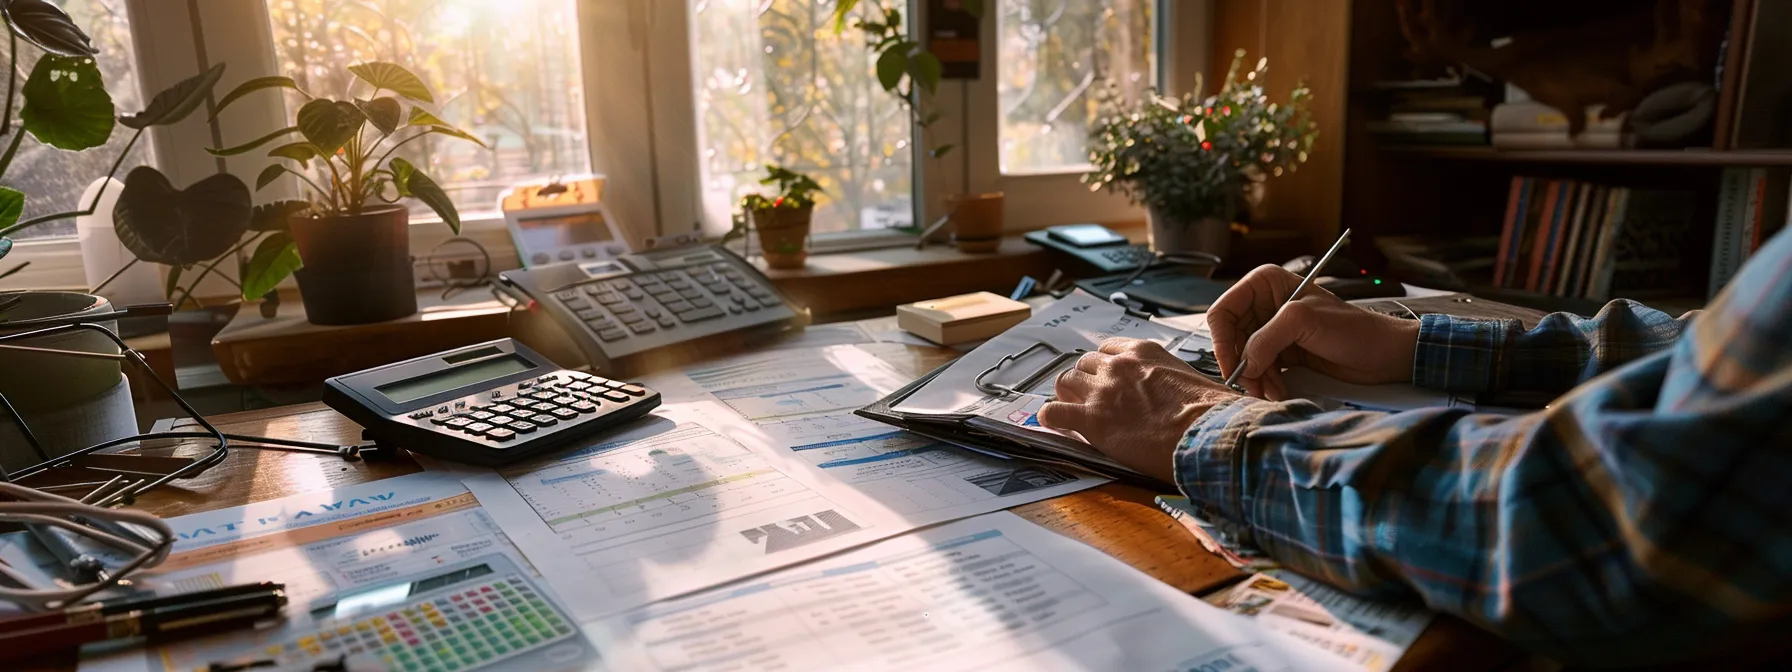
{"x":795,"y":190}
{"x":1189,"y":158}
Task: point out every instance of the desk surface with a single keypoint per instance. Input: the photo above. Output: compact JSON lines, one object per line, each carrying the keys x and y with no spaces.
{"x":288,"y":349}
{"x":1121,"y":520}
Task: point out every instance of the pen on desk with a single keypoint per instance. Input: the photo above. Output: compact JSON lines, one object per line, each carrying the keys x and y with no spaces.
{"x":81,"y":567}
{"x":153,"y":618}
{"x":1311,"y":273}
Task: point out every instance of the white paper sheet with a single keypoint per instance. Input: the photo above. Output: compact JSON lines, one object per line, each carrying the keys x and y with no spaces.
{"x":689,"y":498}
{"x":987,"y":593}
{"x":318,"y":544}
{"x":804,"y":400}
{"x":1370,"y":635}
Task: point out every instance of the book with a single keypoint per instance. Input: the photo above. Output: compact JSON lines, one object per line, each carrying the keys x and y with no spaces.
{"x":1515,"y":203}
{"x":1564,"y":269}
{"x":1526,"y":237}
{"x":1598,"y":217}
{"x":1599,"y":280}
{"x":1573,"y":194}
{"x":1554,"y":204}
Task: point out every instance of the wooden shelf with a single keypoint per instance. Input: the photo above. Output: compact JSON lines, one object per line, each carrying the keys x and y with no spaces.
{"x":1633,"y":157}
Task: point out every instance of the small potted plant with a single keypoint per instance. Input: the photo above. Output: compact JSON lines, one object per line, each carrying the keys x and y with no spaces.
{"x":1194,"y":162}
{"x":349,"y":244}
{"x":782,"y":219}
{"x":911,"y":74}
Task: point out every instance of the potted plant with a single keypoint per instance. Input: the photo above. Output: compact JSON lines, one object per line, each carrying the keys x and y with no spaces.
{"x":911,"y":74}
{"x":1192,"y":161}
{"x":72,"y":402}
{"x":347,"y":242}
{"x":782,"y":219}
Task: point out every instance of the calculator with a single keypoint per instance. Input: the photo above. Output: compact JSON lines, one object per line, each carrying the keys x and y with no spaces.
{"x":483,"y":614}
{"x":489,"y":404}
{"x":647,"y":311}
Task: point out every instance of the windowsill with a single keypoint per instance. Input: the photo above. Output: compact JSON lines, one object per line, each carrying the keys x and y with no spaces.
{"x":884,"y":278}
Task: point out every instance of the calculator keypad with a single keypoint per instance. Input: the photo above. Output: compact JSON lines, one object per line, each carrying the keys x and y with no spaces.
{"x":541,"y":404}
{"x":466,"y":628}
{"x":646,"y":303}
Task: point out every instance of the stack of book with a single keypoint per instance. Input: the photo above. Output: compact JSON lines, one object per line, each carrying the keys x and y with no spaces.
{"x":1529,"y":124}
{"x":1575,"y":239}
{"x":1751,"y":206}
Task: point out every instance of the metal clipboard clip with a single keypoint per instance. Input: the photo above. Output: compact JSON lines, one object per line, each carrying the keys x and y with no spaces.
{"x":1032,"y":379}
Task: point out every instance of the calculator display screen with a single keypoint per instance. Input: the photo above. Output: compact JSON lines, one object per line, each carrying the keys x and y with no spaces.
{"x":412,"y":389}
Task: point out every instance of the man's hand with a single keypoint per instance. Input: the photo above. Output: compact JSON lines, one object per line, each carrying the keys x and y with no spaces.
{"x":1318,"y":330}
{"x":1132,"y":401}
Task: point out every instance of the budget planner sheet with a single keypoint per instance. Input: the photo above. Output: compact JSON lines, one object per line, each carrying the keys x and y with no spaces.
{"x":987,"y":593}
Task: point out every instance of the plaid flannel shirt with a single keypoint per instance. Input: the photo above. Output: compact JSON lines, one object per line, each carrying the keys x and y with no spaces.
{"x":1643,"y":517}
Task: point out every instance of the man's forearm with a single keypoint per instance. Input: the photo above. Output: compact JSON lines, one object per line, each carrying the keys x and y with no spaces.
{"x":1500,"y":358}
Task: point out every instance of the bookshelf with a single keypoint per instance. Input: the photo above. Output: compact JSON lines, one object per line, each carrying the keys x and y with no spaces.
{"x":1355,"y":56}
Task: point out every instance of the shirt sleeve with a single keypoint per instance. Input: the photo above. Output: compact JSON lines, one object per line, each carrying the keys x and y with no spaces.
{"x":1500,"y":359}
{"x":1644,"y":518}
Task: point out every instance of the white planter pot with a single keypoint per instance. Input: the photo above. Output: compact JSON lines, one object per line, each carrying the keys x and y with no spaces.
{"x":69,"y":402}
{"x":1173,"y":236}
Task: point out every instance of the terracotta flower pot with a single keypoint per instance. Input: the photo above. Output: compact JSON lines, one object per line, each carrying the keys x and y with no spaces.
{"x":357,"y":267}
{"x":784,"y":235}
{"x":976,"y":221}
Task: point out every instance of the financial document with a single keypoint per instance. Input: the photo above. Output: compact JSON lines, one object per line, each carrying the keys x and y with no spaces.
{"x":685,"y":499}
{"x":987,"y":593}
{"x":323,"y":546}
{"x":804,"y":401}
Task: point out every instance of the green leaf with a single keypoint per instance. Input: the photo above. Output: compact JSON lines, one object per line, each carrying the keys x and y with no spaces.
{"x":924,"y":68}
{"x":252,"y":144}
{"x":254,"y":85}
{"x":401,"y":176}
{"x":426,"y":190}
{"x":66,"y":104}
{"x":382,"y":112}
{"x":268,"y":175}
{"x":457,"y":133}
{"x":422,"y":117}
{"x":176,"y":102}
{"x":302,"y":152}
{"x":890,"y":65}
{"x":329,"y":124}
{"x":394,"y":78}
{"x":48,"y":27}
{"x":273,"y":216}
{"x":164,"y":225}
{"x":841,"y":9}
{"x":12,"y":204}
{"x":173,"y":282}
{"x":275,"y":258}
{"x":941,"y":150}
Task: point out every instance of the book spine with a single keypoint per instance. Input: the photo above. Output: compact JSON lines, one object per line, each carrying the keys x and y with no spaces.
{"x":1732,"y":204}
{"x":1757,"y":205}
{"x":1527,"y":204}
{"x":1552,"y":207}
{"x":1564,"y":271}
{"x":1598,"y":217}
{"x":1572,"y":193}
{"x":1608,"y":248}
{"x":1514,"y":214}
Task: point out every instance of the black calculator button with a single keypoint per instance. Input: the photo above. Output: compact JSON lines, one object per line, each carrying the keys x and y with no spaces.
{"x":457,"y":422}
{"x":666,"y":322}
{"x":544,"y":420}
{"x":690,"y":293}
{"x":500,"y":434}
{"x":565,"y":413}
{"x":735,"y":310}
{"x":641,"y":327}
{"x":613,"y":395}
{"x":522,"y":427}
{"x":750,"y":307}
{"x":697,"y":314}
{"x":440,"y":419}
{"x":678,"y":306}
{"x":633,"y":390}
{"x":565,"y":399}
{"x":480,"y":415}
{"x":678,"y":282}
{"x":702,"y":302}
{"x":652,"y":312}
{"x":584,"y":407}
{"x":632,"y":294}
{"x":500,"y":420}
{"x":718,"y":287}
{"x":477,"y":428}
{"x":501,"y":408}
{"x":738,"y":298}
{"x":578,"y":385}
{"x":769,"y":301}
{"x":612,"y":334}
{"x":542,"y":394}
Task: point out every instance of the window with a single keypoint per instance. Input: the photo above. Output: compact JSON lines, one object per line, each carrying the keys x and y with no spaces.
{"x":507,"y":72}
{"x":1053,"y":57}
{"x":775,"y":85}
{"x":53,"y":179}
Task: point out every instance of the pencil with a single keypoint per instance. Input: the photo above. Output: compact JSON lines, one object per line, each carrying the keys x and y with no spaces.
{"x":1311,"y":273}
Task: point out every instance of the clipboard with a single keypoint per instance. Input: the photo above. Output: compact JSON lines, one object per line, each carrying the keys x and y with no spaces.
{"x":987,"y":437}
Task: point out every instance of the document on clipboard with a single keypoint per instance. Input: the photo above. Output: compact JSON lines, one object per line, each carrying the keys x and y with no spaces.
{"x":989,"y":399}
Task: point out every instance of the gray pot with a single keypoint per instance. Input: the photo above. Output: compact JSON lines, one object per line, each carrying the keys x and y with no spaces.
{"x":70,"y":402}
{"x":1175,"y":236}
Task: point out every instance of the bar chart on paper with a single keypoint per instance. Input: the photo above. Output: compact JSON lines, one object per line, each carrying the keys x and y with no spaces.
{"x":915,"y":475}
{"x":665,"y":511}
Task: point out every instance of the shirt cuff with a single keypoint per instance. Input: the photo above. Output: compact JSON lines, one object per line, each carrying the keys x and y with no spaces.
{"x":1458,"y":354}
{"x":1207,"y":459}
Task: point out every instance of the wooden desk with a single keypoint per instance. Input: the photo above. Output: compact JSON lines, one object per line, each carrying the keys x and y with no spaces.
{"x":1121,"y":520}
{"x":289,"y":350}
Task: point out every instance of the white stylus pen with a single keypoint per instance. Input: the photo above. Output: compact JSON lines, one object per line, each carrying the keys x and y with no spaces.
{"x":1311,"y":273}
